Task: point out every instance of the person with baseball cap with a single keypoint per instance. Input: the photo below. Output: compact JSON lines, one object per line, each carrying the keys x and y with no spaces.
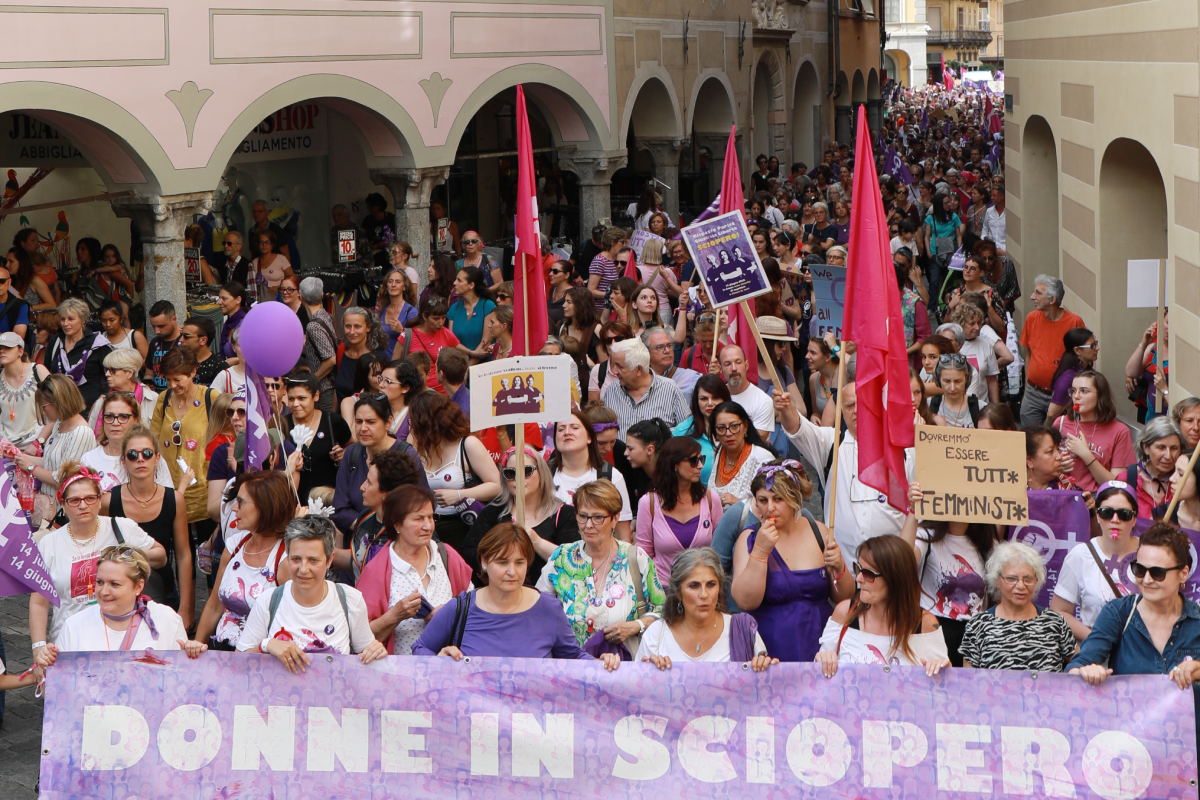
{"x":18,"y":419}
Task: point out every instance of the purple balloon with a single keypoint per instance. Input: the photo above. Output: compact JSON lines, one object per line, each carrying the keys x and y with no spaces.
{"x":271,"y":339}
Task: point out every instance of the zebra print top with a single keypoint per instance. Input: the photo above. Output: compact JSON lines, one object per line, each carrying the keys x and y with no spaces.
{"x":1043,"y":643}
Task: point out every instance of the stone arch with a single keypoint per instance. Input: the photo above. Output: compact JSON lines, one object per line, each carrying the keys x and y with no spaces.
{"x":711,"y":109}
{"x":806,"y":113}
{"x":767,"y":109}
{"x":1040,"y":248}
{"x":842,"y":109}
{"x":858,"y":90}
{"x":873,"y":84}
{"x":653,"y":100}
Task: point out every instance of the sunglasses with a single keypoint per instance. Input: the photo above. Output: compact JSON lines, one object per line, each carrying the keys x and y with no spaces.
{"x":146,"y":454}
{"x":238,"y":412}
{"x":622,"y":263}
{"x":1123,"y":514}
{"x":952,"y":358}
{"x":869,"y":575}
{"x":503,"y":296}
{"x":696,"y":460}
{"x":176,"y":439}
{"x":556,"y":271}
{"x":1140,"y":570}
{"x":471,"y":241}
{"x":510,"y":474}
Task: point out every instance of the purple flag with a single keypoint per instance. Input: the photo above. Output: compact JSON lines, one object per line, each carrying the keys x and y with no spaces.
{"x":21,"y":568}
{"x":1058,"y":521}
{"x":713,"y":210}
{"x":999,"y":74}
{"x":948,"y":130}
{"x":258,"y":415}
{"x":924,"y":119}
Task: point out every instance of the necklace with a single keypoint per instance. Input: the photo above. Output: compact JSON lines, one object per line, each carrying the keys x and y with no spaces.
{"x":144,"y":503}
{"x":696,"y":650}
{"x":602,"y":576}
{"x":725,"y":474}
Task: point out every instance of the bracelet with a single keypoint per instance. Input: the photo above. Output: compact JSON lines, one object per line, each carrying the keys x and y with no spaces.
{"x":36,"y":645}
{"x":460,"y":495}
{"x":1089,"y":464}
{"x":764,"y":559}
{"x":841,"y":574}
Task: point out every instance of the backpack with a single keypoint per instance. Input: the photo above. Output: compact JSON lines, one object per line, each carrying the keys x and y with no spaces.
{"x":277,"y":596}
{"x":935,"y":405}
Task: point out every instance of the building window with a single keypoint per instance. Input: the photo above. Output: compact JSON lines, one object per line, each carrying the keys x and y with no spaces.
{"x":891,"y":10}
{"x":1000,"y":46}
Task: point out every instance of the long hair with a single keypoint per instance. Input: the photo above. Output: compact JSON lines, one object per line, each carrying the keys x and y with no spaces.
{"x":1106,"y":409}
{"x":443,"y":284}
{"x":546,"y":498}
{"x":923,"y":407}
{"x":238,"y":291}
{"x":939,"y":211}
{"x":24,"y":274}
{"x":408,"y":291}
{"x":474,"y":276}
{"x":666,"y":480}
{"x":715,"y":388}
{"x":220,"y":418}
{"x":982,"y":535}
{"x":585,"y":308}
{"x":735,"y":408}
{"x":555,"y":462}
{"x":1076,"y":337}
{"x":376,"y":338}
{"x":367,"y":363}
{"x":896,"y":563}
{"x":436,"y":421}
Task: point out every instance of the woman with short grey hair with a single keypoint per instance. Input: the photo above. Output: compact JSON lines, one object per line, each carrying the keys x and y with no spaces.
{"x":78,"y":353}
{"x":1015,"y":633}
{"x":1158,"y":448}
{"x":823,"y":234}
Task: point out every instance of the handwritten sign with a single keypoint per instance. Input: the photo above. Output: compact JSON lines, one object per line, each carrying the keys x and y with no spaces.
{"x":969,"y":475}
{"x":518,"y":390}
{"x":829,"y":299}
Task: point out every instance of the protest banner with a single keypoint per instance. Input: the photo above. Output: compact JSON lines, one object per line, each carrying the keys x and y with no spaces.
{"x":513,"y":391}
{"x":725,"y":259}
{"x":637,"y":242}
{"x":829,"y":299}
{"x":240,"y":725}
{"x":1058,"y":521}
{"x":971,"y":475}
{"x":21,"y":567}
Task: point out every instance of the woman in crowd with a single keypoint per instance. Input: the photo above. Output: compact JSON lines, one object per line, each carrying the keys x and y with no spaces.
{"x":941,"y":235}
{"x":430,"y":335}
{"x":319,"y":435}
{"x":221,"y":429}
{"x":367,"y":372}
{"x":1158,"y":448}
{"x":581,"y":324}
{"x":549,"y":521}
{"x":159,"y":510}
{"x":681,"y":265}
{"x":465,"y":318}
{"x":113,"y":321}
{"x":1187,"y":510}
{"x":1081,"y":351}
{"x":400,"y":253}
{"x":1015,"y":633}
{"x":60,"y":406}
{"x":822,"y":379}
{"x":253,"y":562}
{"x":270,"y":268}
{"x":19,"y":419}
{"x":441,"y":275}
{"x":1094,"y":573}
{"x":1043,"y":459}
{"x":740,"y":452}
{"x":474,"y":257}
{"x":883,"y":623}
{"x":410,"y":576}
{"x":26,"y":283}
{"x":824,"y":234}
{"x":394,"y":309}
{"x":289,"y":295}
{"x":643,"y":441}
{"x":506,"y":618}
{"x":997,"y":417}
{"x":401,"y":383}
{"x":1154,"y":632}
{"x":680,"y":512}
{"x":921,"y":413}
{"x":456,"y":464}
{"x":660,"y":277}
{"x":841,"y":219}
{"x":232,"y":379}
{"x":576,"y":461}
{"x":234,"y":301}
{"x":1142,"y":371}
{"x":121,"y":370}
{"x":609,"y":589}
{"x":611,"y":332}
{"x":362,"y":335}
{"x":119,"y":415}
{"x":787,"y":571}
{"x":71,"y":552}
{"x":556,"y":296}
{"x":222,"y":463}
{"x":953,"y":375}
{"x":367,"y":535}
{"x":709,"y":393}
{"x":47,"y":330}
{"x":605,"y":424}
{"x":1186,"y":416}
{"x":695,"y":627}
{"x":645,"y":308}
{"x":501,"y":331}
{"x":77,"y":353}
{"x":619,"y":306}
{"x":952,"y":556}
{"x":1100,"y":444}
{"x":972,"y":276}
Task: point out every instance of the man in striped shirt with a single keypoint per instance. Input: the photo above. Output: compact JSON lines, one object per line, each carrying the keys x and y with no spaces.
{"x":638,"y":394}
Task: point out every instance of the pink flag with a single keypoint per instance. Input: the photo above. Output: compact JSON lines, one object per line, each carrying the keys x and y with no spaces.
{"x":631,"y":268}
{"x":732,"y":199}
{"x":530,"y":325}
{"x":885,"y":416}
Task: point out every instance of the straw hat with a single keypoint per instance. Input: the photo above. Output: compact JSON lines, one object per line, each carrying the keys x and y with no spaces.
{"x":774,"y":328}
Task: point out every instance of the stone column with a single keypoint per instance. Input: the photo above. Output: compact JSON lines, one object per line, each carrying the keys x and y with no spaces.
{"x":161,"y":221}
{"x":595,"y":169}
{"x":874,"y":116}
{"x":665,"y":151}
{"x":411,"y":189}
{"x":842,"y":130}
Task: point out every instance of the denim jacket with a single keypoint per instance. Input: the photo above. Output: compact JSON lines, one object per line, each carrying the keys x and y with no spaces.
{"x":1132,"y":652}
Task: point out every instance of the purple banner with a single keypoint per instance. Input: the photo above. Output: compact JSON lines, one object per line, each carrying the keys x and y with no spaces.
{"x":725,"y":258}
{"x":21,"y":567}
{"x":1058,"y":520}
{"x":237,"y":725}
{"x":258,"y":418}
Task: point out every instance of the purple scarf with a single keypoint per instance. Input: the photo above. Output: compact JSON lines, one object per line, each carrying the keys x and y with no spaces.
{"x":75,"y":373}
{"x":141,"y":611}
{"x":598,"y":646}
{"x":742,"y":631}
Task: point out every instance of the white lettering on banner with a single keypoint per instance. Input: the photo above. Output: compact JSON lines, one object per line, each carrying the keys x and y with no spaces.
{"x":174,"y":746}
{"x":114,"y":737}
{"x":399,"y":741}
{"x":348,"y":741}
{"x":955,"y":758}
{"x":1117,"y":766}
{"x":1020,"y":759}
{"x":830,"y":764}
{"x":879,"y":754}
{"x":554,"y":747}
{"x":274,"y":739}
{"x":485,"y":749}
{"x":653,"y":757}
{"x":710,"y":766}
{"x":760,"y":750}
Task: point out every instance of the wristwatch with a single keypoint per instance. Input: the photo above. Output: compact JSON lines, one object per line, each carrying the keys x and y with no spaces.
{"x":29,"y":469}
{"x":265,"y":642}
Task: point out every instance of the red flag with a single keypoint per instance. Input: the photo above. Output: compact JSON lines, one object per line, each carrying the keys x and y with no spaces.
{"x":530,"y":325}
{"x":732,"y":199}
{"x":631,"y":269}
{"x":885,"y":416}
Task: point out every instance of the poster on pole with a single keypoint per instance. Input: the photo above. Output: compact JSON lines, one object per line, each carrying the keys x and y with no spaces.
{"x":829,"y":299}
{"x":637,"y":242}
{"x":1142,"y":289}
{"x":514,"y":391}
{"x":725,"y":259}
{"x":970,"y":475}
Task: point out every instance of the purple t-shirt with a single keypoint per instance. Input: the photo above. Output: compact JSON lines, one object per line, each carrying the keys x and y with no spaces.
{"x":1061,"y":390}
{"x":685,"y":532}
{"x":462,"y":399}
{"x":541,"y":632}
{"x":606,"y":268}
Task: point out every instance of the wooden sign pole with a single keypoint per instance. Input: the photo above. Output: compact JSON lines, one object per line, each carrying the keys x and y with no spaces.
{"x":837,"y":440}
{"x":519,"y":506}
{"x":748,"y":315}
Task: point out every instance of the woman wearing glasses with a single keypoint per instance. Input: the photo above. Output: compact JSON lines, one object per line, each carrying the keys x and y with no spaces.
{"x":680,"y":512}
{"x":118,"y":416}
{"x":121,"y":370}
{"x":401,"y":382}
{"x":548,"y":521}
{"x":76,"y":352}
{"x":560,"y":283}
{"x":60,"y":406}
{"x":396,"y":307}
{"x":19,"y":417}
{"x":465,"y":318}
{"x":1099,"y":444}
{"x":289,"y":295}
{"x":473,"y":256}
{"x":740,"y":452}
{"x":320,"y":435}
{"x":71,"y":552}
{"x":1081,"y":350}
{"x":1015,"y":633}
{"x":1094,"y":573}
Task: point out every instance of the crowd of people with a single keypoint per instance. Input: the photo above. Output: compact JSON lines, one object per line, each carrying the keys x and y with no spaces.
{"x":667,"y":518}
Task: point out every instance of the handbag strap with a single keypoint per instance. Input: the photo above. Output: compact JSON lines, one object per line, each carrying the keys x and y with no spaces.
{"x":635,"y":573}
{"x":1111,"y":584}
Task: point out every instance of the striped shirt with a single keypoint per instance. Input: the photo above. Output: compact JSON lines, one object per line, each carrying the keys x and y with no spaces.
{"x":606,"y":268}
{"x":663,"y":400}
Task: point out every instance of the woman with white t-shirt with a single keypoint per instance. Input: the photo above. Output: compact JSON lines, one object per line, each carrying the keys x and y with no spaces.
{"x":576,"y":461}
{"x":71,"y":553}
{"x":695,"y":627}
{"x":1096,"y":572}
{"x":310,"y":614}
{"x":119,"y":413}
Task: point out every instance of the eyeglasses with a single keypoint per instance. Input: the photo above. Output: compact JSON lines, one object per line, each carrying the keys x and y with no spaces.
{"x":594,"y":520}
{"x":732,"y":427}
{"x":388,"y":382}
{"x":662,"y":348}
{"x":1140,"y":570}
{"x":696,"y":460}
{"x":1093,"y":346}
{"x":1078,"y":391}
{"x":510,"y":474}
{"x":952,"y":358}
{"x":868,"y":575}
{"x":1024,"y":580}
{"x":471,"y":241}
{"x":273,"y":384}
{"x":287,"y":290}
{"x":111,"y":418}
{"x":1123,"y":514}
{"x":86,"y":500}
{"x":146,"y":454}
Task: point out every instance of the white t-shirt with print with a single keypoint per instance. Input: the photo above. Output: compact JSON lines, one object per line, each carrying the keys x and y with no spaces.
{"x":320,"y":629}
{"x":982,"y":357}
{"x":87,"y":631}
{"x":659,"y":641}
{"x":1082,"y":583}
{"x":952,"y":582}
{"x":72,"y":567}
{"x":565,"y":486}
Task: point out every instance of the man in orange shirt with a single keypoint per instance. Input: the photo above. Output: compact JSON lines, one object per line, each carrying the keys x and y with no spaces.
{"x":1042,"y":344}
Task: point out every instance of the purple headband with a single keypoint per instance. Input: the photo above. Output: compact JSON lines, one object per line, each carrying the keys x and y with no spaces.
{"x":603,"y":426}
{"x":1120,"y":486}
{"x":787,"y":468}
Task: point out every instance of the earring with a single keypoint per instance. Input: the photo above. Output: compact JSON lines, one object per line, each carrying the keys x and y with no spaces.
{"x":679,"y":606}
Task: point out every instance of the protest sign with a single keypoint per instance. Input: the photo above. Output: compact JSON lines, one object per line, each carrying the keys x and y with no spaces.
{"x":239,"y":725}
{"x":829,"y":299}
{"x":191,"y":264}
{"x":725,"y":259}
{"x":637,"y":242}
{"x":1142,"y":283}
{"x":971,"y":475}
{"x":21,"y":567}
{"x":518,"y":390}
{"x":1058,"y":521}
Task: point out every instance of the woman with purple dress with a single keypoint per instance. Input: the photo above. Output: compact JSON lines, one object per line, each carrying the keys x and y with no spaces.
{"x":786,"y":572}
{"x":680,"y":512}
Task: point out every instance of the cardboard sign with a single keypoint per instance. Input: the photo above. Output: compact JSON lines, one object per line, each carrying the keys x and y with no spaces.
{"x":191,"y":263}
{"x":724,"y":256}
{"x":518,"y":390}
{"x":969,"y":475}
{"x":347,"y":246}
{"x":829,"y":299}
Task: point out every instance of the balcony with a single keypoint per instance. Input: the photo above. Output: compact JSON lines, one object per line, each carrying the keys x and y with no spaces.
{"x":960,"y":37}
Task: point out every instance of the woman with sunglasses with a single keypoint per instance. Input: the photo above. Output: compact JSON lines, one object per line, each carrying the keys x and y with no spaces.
{"x":679,"y":512}
{"x":319,"y":435}
{"x":740,"y":452}
{"x":222,"y":463}
{"x":788,"y":569}
{"x":473,"y":256}
{"x":19,"y":417}
{"x":548,"y":521}
{"x":71,"y":552}
{"x":466,"y":316}
{"x":710,"y":391}
{"x":580,"y":323}
{"x":118,"y":416}
{"x":609,"y":589}
{"x":367,"y":372}
{"x":1099,"y":444}
{"x":575,"y":460}
{"x":1094,"y":573}
{"x":883,"y":622}
{"x":560,"y":275}
{"x":68,"y":438}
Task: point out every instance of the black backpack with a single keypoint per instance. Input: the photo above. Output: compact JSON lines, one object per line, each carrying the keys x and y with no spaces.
{"x":935,"y":405}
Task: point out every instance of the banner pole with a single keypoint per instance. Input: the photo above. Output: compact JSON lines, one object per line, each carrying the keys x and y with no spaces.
{"x":1175,"y":500}
{"x":1162,"y":344}
{"x":837,"y":440}
{"x":716,"y":338}
{"x":762,"y":346}
{"x":519,"y":508}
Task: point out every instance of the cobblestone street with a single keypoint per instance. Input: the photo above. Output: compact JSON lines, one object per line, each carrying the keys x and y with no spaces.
{"x":21,"y":733}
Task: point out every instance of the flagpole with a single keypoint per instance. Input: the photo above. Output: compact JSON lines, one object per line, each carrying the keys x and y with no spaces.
{"x":837,"y":440}
{"x":1182,"y":481}
{"x":519,"y":438}
{"x":762,"y":346}
{"x":716,"y":339}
